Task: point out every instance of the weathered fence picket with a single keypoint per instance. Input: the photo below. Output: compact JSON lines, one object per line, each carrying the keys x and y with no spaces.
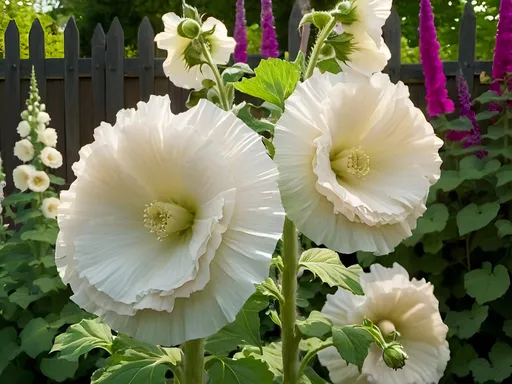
{"x":81,"y":92}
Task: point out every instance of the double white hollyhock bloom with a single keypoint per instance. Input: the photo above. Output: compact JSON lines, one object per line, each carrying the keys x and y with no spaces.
{"x":394,"y":303}
{"x":24,"y":150}
{"x":49,"y":207}
{"x":48,"y":137}
{"x":38,"y":181}
{"x":51,"y":157}
{"x":370,"y":54}
{"x":356,"y":160}
{"x":171,"y":222}
{"x":23,"y":128}
{"x":21,"y":175}
{"x":175,"y":66}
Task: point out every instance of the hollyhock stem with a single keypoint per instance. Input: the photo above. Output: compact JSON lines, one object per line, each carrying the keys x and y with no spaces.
{"x":194,"y":361}
{"x":289,"y":307}
{"x":225,"y":104}
{"x":322,"y":36}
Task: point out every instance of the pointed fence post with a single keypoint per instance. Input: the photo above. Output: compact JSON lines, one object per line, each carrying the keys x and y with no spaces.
{"x":36,"y":51}
{"x":392,"y":33}
{"x":146,"y":60}
{"x":11,"y":110}
{"x":98,"y":76}
{"x":114,"y":70}
{"x":467,"y":44}
{"x":72,"y":95}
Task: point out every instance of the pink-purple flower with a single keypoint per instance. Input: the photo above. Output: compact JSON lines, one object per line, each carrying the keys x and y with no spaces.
{"x":269,"y":46}
{"x":435,"y":81}
{"x":240,"y":33}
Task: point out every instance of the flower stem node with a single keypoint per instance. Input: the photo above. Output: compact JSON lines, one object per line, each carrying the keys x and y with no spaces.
{"x":394,"y":356}
{"x":189,"y":29}
{"x":167,"y":218}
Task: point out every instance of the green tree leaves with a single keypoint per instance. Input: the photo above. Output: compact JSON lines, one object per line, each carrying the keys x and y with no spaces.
{"x":485,"y":285}
{"x":326,"y":264}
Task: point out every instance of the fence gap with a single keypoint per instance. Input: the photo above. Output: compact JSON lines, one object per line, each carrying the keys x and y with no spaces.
{"x":294,"y":37}
{"x":114,"y":70}
{"x":392,"y":33}
{"x":146,"y":60}
{"x":37,"y":57}
{"x":11,"y":111}
{"x":72,"y":94}
{"x":467,"y":44}
{"x":98,"y":77}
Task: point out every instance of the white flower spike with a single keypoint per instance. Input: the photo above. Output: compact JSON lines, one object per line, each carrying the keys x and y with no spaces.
{"x":21,"y":175}
{"x":24,"y":150}
{"x":171,"y":221}
{"x":51,"y":157}
{"x":49,"y":207}
{"x":356,"y":160}
{"x":176,"y":67}
{"x":394,"y":303}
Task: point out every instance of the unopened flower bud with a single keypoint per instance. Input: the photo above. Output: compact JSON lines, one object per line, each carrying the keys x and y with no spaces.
{"x":24,"y":114}
{"x":189,"y":29}
{"x":394,"y":356}
{"x":43,"y":107}
{"x":344,"y":6}
{"x":30,"y":108}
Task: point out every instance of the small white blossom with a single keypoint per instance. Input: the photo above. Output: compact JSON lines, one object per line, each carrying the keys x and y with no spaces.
{"x":30,"y":108}
{"x":43,"y":107}
{"x":51,"y":157}
{"x":43,"y":118}
{"x":24,"y":150}
{"x":49,"y":207}
{"x":40,"y":127}
{"x":48,"y":137}
{"x":21,"y":176}
{"x":38,"y":181}
{"x":23,"y":128}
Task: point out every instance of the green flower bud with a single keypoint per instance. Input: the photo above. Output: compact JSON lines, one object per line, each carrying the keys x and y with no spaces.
{"x":189,"y":29}
{"x":344,"y":6}
{"x":394,"y":356}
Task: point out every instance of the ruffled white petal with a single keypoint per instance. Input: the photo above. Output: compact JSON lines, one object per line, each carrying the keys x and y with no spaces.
{"x":368,"y":56}
{"x":372,"y":15}
{"x":222,"y":46}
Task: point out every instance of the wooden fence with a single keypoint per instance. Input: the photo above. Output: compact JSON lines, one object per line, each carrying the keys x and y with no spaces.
{"x":82,"y":92}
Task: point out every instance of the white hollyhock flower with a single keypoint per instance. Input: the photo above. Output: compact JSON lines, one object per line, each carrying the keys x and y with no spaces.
{"x":23,"y":128}
{"x":38,"y":181}
{"x":175,"y":66}
{"x":356,"y":160}
{"x":48,"y":137}
{"x":49,"y":207}
{"x":43,"y":118}
{"x":51,"y":157}
{"x":171,"y":221}
{"x":40,"y":128}
{"x":371,"y":15}
{"x":21,"y":175}
{"x":394,"y":303}
{"x":366,"y":56}
{"x":24,"y":150}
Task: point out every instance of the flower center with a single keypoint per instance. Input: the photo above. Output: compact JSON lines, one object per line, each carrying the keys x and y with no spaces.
{"x":164,"y":218}
{"x":38,"y":181}
{"x":354,"y":161}
{"x":386,"y":327}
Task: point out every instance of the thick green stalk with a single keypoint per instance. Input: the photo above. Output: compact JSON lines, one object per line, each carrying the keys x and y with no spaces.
{"x":194,"y":361}
{"x":288,"y":309}
{"x":225,"y":103}
{"x":315,"y":53}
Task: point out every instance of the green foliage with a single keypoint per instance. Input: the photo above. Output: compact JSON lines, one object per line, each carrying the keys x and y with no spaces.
{"x":222,"y":370}
{"x":24,"y":15}
{"x":352,"y":344}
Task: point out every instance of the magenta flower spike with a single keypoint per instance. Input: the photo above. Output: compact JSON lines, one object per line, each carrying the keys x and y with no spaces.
{"x":435,"y":80}
{"x":269,"y":46}
{"x":240,"y":33}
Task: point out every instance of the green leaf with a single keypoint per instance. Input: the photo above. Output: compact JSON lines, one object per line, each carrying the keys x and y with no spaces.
{"x":274,"y":82}
{"x":270,"y":289}
{"x":326,"y":264}
{"x":316,"y":325}
{"x":330,"y":66}
{"x":70,"y":314}
{"x":352,"y":344}
{"x":466,"y":324}
{"x":460,"y":124}
{"x":504,"y":177}
{"x":343,"y":46}
{"x":47,"y":235}
{"x":473,"y":217}
{"x":495,"y":132}
{"x":21,"y":197}
{"x":270,"y":147}
{"x":58,"y":369}
{"x":271,"y":355}
{"x":138,"y":367}
{"x":491,"y":97}
{"x":23,"y":297}
{"x":255,"y":118}
{"x":244,"y":330}
{"x":245,"y":68}
{"x":485,"y":285}
{"x":459,"y":361}
{"x":81,"y":338}
{"x":56,"y":180}
{"x":318,"y":19}
{"x":504,"y":228}
{"x":507,"y":328}
{"x":9,"y":347}
{"x":311,"y":377}
{"x":27,"y":215}
{"x":365,"y":259}
{"x":232,"y":74}
{"x":48,"y":284}
{"x":434,"y":219}
{"x":500,"y":367}
{"x":37,"y":337}
{"x":246,"y":371}
{"x":486,"y":115}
